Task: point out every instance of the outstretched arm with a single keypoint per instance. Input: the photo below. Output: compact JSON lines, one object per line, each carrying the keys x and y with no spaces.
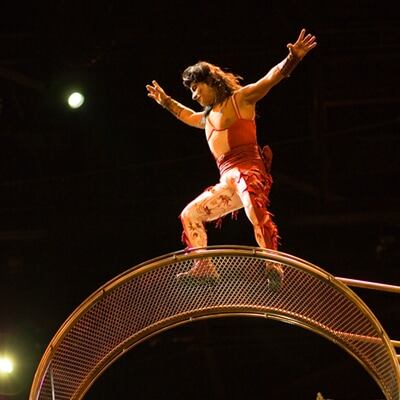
{"x":183,"y":113}
{"x":251,"y":93}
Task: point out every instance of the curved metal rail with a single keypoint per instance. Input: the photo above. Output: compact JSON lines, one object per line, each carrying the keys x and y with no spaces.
{"x":147,"y":299}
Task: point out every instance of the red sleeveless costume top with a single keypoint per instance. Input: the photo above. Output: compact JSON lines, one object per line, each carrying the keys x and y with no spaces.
{"x":240,"y":132}
{"x":242,"y":141}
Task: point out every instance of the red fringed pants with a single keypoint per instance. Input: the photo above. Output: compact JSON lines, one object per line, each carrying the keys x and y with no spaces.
{"x":245,"y":183}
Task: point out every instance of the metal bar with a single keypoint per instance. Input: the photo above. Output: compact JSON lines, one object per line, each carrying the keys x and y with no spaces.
{"x":395,"y":343}
{"x":53,"y":392}
{"x":370,"y":285}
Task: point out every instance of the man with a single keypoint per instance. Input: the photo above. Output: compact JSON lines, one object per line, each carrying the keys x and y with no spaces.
{"x":228,"y":118}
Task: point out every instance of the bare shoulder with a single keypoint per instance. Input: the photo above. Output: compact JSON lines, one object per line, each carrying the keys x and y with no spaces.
{"x":243,"y":95}
{"x":242,"y":98}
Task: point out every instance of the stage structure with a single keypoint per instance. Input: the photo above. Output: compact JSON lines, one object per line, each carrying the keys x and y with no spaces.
{"x":148,"y":299}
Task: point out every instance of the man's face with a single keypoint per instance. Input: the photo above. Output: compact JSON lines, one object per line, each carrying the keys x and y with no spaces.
{"x":202,"y":93}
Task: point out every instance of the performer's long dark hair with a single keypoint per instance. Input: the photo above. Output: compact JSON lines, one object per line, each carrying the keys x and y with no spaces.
{"x":225,"y":83}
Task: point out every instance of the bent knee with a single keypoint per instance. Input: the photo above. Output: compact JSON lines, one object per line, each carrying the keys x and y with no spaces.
{"x":189,"y":213}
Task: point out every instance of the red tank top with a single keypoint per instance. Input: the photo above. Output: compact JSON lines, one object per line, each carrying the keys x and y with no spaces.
{"x":241,"y":132}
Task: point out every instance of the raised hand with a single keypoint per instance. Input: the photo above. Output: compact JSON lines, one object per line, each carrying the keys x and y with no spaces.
{"x":156,"y":92}
{"x":303,"y":44}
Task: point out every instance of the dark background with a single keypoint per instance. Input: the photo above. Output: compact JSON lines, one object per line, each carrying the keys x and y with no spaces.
{"x":86,"y":194}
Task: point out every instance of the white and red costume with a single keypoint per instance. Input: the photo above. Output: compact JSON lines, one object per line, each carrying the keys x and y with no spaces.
{"x":245,"y":182}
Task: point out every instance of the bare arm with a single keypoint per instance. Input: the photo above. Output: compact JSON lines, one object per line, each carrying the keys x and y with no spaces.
{"x":183,"y":113}
{"x":254,"y":92}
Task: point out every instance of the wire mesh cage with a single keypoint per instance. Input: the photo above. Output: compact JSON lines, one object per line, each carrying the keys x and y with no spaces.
{"x":148,"y":299}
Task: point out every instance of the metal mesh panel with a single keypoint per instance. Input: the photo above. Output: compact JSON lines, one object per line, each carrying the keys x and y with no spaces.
{"x":149,"y":298}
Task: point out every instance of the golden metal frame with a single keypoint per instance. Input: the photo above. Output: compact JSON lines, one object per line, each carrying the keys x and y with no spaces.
{"x":67,"y":372}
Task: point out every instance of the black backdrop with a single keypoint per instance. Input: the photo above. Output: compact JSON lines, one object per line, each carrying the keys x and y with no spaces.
{"x":86,"y":194}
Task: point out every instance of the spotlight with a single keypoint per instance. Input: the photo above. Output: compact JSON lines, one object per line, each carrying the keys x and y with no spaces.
{"x":75,"y":100}
{"x":6,"y":365}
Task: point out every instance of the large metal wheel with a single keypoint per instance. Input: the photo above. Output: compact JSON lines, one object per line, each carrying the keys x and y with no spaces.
{"x":148,"y":299}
